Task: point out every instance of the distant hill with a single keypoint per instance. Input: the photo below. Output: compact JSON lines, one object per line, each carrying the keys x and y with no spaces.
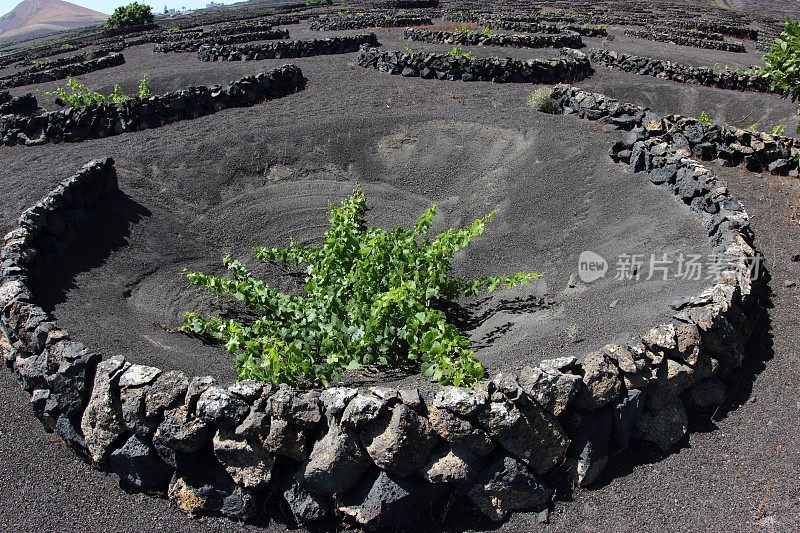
{"x":38,"y":18}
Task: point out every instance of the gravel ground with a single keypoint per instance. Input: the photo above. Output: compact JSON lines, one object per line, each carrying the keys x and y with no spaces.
{"x":467,"y":147}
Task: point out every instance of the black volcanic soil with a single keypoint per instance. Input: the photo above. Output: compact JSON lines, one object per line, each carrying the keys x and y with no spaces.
{"x":197,"y":189}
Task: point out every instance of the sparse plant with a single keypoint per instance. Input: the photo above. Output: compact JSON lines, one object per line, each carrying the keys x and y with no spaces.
{"x":705,"y":119}
{"x":130,"y":16}
{"x":752,"y":128}
{"x":541,"y":101}
{"x":777,"y":129}
{"x":459,"y":53}
{"x":317,"y":3}
{"x":487,"y":32}
{"x":75,"y":94}
{"x":782,"y":63}
{"x":145,"y":89}
{"x":173,"y":30}
{"x":462,"y":29}
{"x":117,"y":96}
{"x":372,"y":297}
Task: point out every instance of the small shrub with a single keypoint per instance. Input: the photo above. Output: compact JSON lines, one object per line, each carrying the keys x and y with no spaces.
{"x":705,"y":119}
{"x":541,"y":101}
{"x":782,"y":63}
{"x":75,"y":94}
{"x":145,"y":89}
{"x":459,"y":53}
{"x":487,"y":32}
{"x":130,"y":16}
{"x":777,"y":129}
{"x":752,"y":128}
{"x":173,"y":30}
{"x":463,"y":29}
{"x":371,"y":298}
{"x":315,"y":3}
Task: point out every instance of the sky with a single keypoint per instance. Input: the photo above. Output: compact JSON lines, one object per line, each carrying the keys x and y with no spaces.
{"x":107,"y":6}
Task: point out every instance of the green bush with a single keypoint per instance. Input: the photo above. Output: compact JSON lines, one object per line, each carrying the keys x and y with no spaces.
{"x":459,"y":53}
{"x":541,"y":101}
{"x":782,"y":63}
{"x":705,"y":119}
{"x":75,"y":94}
{"x":130,"y":16}
{"x":777,"y":129}
{"x":372,"y":297}
{"x":145,"y":89}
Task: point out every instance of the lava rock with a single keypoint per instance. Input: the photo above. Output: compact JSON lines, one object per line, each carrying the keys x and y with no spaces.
{"x":248,"y":464}
{"x":664,"y":427}
{"x":507,"y":485}
{"x":399,"y":443}
{"x":220,"y":408}
{"x":336,"y":463}
{"x":102,"y":422}
{"x":139,"y":467}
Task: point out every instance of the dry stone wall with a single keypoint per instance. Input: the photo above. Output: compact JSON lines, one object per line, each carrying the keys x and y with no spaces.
{"x":357,"y":22}
{"x":19,"y":105}
{"x":287,"y":49}
{"x":570,"y":66}
{"x":193,"y":45}
{"x":60,"y":73}
{"x":668,"y":70}
{"x":379,"y":456}
{"x":103,"y":120}
{"x":685,"y":40}
{"x":561,"y":40}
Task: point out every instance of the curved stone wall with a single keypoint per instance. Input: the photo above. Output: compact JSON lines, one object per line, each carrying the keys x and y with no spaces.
{"x":664,"y":69}
{"x":586,"y":30}
{"x":685,"y":40}
{"x":380,"y":455}
{"x":193,"y":45}
{"x":287,"y":49}
{"x":134,"y":114}
{"x":358,"y":22}
{"x":19,"y":105}
{"x":563,"y":40}
{"x":570,"y":66}
{"x":60,"y":73}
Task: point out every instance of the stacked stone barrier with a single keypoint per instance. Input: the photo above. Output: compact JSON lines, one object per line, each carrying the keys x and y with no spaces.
{"x":134,"y":114}
{"x":233,"y":29}
{"x":586,"y":30}
{"x":727,"y":145}
{"x":476,"y":38}
{"x":287,"y":49}
{"x":738,"y":32}
{"x":60,"y":73}
{"x":668,"y":70}
{"x":685,"y":40}
{"x":570,"y":66}
{"x":195,"y":44}
{"x":358,"y":22}
{"x":19,"y":105}
{"x":380,"y":456}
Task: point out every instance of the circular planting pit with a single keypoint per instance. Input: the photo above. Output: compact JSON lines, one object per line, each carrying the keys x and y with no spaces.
{"x":551,"y":209}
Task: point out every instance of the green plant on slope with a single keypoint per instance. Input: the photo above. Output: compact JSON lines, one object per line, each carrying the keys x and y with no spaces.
{"x":145,"y":89}
{"x":371,"y":298}
{"x":782,"y":63}
{"x":131,"y":16}
{"x":75,"y":94}
{"x":541,"y":101}
{"x":459,"y":53}
{"x":487,"y":32}
{"x":705,"y":119}
{"x":777,"y":129}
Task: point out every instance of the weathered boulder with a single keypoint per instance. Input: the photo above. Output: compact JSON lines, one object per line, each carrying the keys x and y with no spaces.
{"x":400,"y":442}
{"x":664,"y":427}
{"x":452,"y":465}
{"x":139,"y":467}
{"x":306,"y":506}
{"x":626,"y":413}
{"x":526,"y":431}
{"x":591,"y":434}
{"x":391,"y":501}
{"x":507,"y":485}
{"x":102,"y":421}
{"x":220,"y":408}
{"x":601,"y":383}
{"x":551,"y":388}
{"x":336,"y":463}
{"x":182,"y":432}
{"x":248,"y":464}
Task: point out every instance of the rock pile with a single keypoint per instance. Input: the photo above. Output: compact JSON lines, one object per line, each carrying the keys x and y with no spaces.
{"x":570,"y":66}
{"x":102,"y":120}
{"x":287,"y":49}
{"x":587,"y":30}
{"x":20,"y":105}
